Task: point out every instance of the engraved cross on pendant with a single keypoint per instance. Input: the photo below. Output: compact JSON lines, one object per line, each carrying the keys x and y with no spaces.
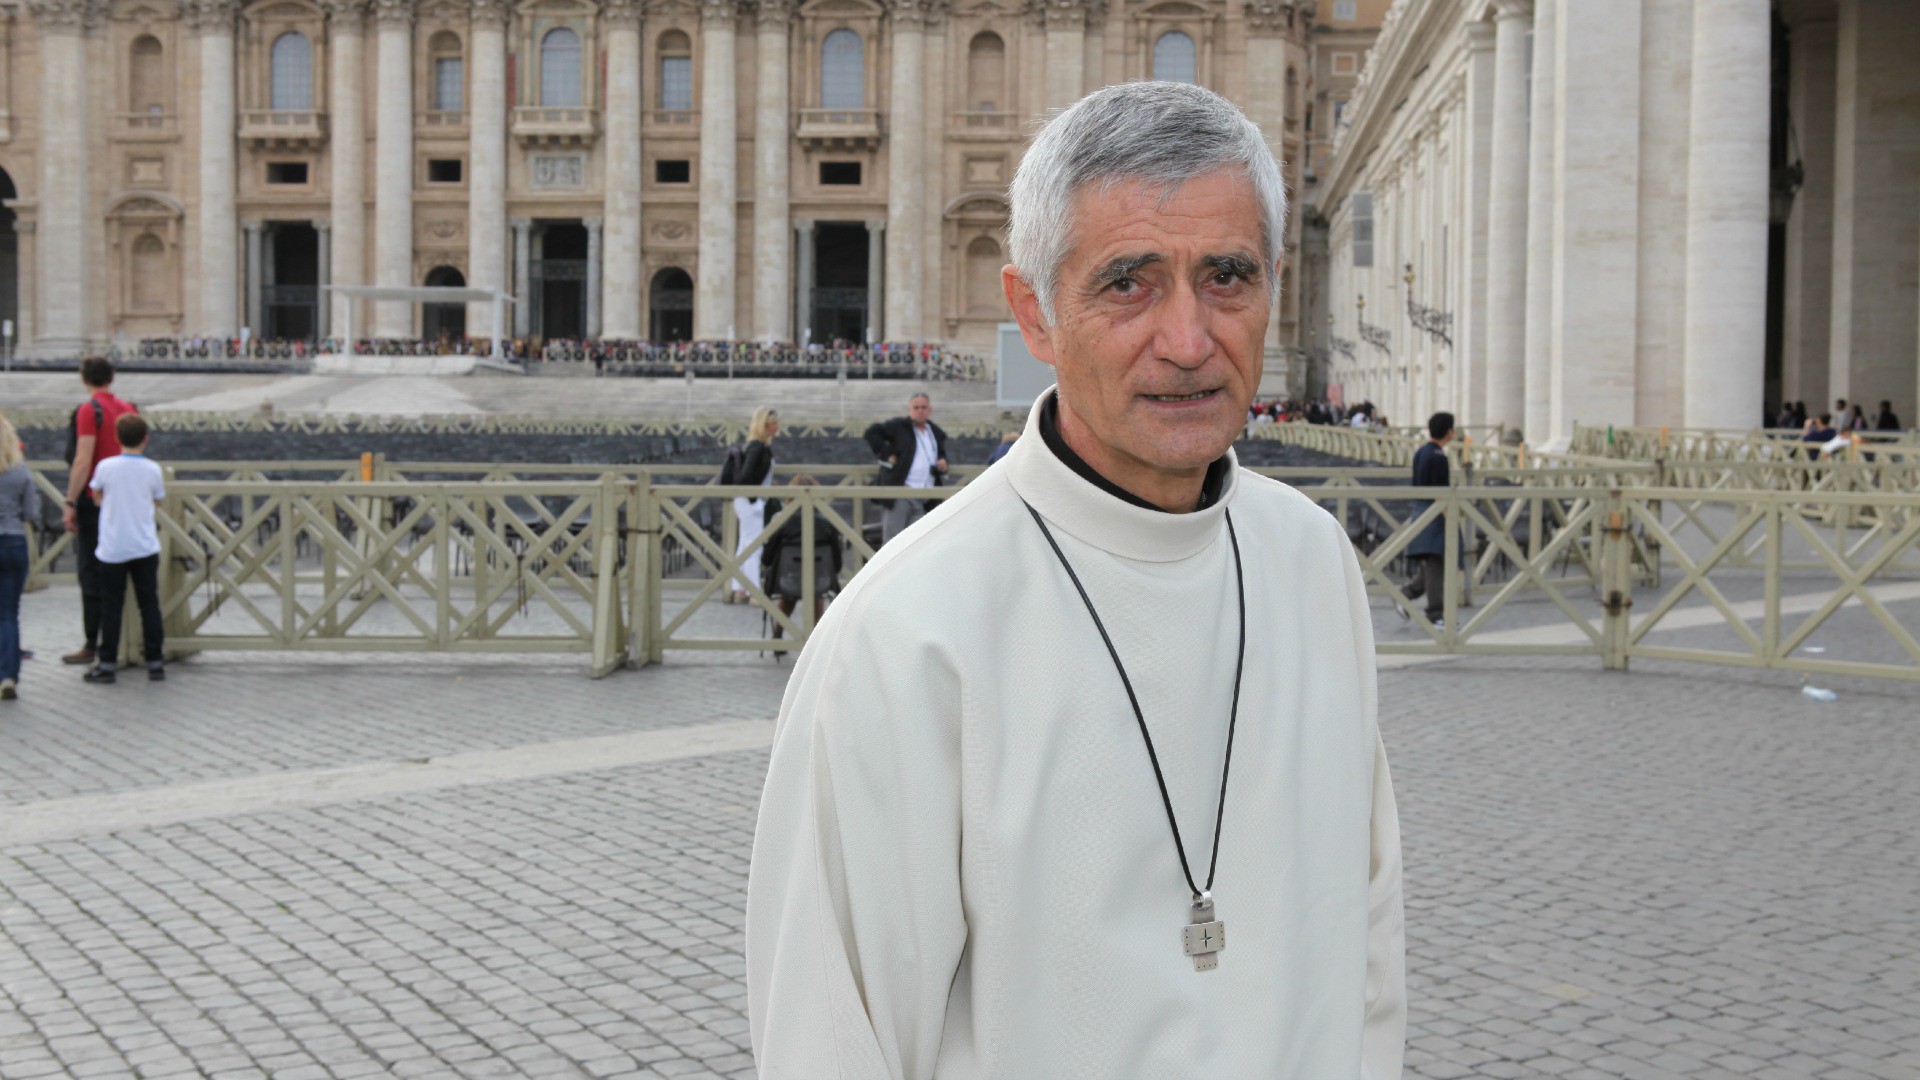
{"x":1205,"y":936}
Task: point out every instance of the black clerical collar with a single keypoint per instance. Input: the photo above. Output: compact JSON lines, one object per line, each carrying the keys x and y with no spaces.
{"x":1210,"y":488}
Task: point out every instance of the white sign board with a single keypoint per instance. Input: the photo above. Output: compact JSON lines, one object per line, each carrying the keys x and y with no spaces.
{"x":1020,"y":377}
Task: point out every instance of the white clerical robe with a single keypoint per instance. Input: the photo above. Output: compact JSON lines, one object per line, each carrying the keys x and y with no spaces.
{"x":963,"y":868}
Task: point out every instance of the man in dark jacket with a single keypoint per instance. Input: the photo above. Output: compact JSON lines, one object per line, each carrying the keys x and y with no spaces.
{"x":1428,"y":550}
{"x":913,"y":453}
{"x":1887,"y":420}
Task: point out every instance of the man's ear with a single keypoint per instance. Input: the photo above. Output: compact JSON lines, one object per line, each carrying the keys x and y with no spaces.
{"x":1026,"y":311}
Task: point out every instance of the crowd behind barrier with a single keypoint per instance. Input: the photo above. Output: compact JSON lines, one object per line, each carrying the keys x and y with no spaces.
{"x":612,"y":358}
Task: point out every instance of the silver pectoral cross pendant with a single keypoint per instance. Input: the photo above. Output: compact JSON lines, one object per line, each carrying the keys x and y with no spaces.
{"x":1204,"y":936}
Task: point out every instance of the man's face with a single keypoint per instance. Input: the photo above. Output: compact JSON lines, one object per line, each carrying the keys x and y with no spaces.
{"x":1161,"y":314}
{"x":920,"y":409}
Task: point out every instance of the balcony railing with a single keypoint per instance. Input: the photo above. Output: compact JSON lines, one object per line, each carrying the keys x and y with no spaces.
{"x":839,"y":128}
{"x":987,"y":121}
{"x":556,"y":125}
{"x":283,"y":127}
{"x":440,"y":121}
{"x":672,"y":122}
{"x":145,"y":125}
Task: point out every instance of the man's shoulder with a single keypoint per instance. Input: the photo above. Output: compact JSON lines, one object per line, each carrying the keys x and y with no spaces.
{"x":958,"y":546}
{"x":1282,"y":509}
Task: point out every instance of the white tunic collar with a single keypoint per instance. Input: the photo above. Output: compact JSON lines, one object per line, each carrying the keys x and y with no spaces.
{"x":1100,"y":520}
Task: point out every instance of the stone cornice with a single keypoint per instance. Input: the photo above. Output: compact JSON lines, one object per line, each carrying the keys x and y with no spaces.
{"x":67,"y":16}
{"x":488,"y":12}
{"x":619,"y":14}
{"x":393,"y":11}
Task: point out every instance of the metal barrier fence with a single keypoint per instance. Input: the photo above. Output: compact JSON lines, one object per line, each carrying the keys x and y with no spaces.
{"x":626,"y":566}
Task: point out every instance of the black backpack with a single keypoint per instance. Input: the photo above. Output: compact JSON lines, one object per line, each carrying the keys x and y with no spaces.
{"x":730,"y":468}
{"x":73,"y":426}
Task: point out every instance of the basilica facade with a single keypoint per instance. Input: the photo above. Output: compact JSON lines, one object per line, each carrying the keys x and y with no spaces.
{"x":667,"y":170}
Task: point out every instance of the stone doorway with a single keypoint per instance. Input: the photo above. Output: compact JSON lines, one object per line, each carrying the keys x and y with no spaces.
{"x":670,"y":304}
{"x":447,"y":321}
{"x":290,"y":292}
{"x":9,"y":257}
{"x":842,"y":289}
{"x":559,"y":278}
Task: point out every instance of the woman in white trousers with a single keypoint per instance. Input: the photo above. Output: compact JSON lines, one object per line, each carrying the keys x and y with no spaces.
{"x":756,"y":468}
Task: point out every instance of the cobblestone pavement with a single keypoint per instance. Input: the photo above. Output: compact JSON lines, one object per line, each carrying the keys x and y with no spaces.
{"x":1678,"y":872}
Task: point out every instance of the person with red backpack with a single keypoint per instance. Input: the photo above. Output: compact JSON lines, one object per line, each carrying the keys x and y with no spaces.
{"x":91,"y":439}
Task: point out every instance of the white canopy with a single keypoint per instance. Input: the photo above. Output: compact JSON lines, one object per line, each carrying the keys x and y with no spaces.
{"x":426,"y":294}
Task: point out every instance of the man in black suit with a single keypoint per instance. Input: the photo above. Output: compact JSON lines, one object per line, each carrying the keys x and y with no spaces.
{"x":913,"y":453}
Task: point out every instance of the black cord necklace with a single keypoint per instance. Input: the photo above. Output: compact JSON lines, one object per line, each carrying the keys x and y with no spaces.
{"x":1204,"y":936}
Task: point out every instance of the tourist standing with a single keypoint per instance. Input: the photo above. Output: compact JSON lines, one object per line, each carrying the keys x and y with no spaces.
{"x":92,"y":439}
{"x":1428,"y":551}
{"x":19,"y":504}
{"x":913,"y":450}
{"x":128,"y":487}
{"x":1886,"y":421}
{"x":755,"y":470}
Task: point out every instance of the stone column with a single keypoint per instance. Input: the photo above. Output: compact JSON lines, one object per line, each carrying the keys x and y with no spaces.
{"x":803,"y":295}
{"x":1876,"y":312}
{"x":1596,"y":216}
{"x":1267,"y":106}
{"x":212,"y":21}
{"x":393,"y":165}
{"x":64,"y":213}
{"x":1507,"y":218}
{"x":522,"y":286}
{"x":877,"y":322}
{"x":1065,"y":22}
{"x":322,"y":310}
{"x":487,"y":162}
{"x":1726,"y":275}
{"x":1807,"y":321}
{"x":256,"y":264}
{"x":1540,"y":226}
{"x":347,"y":156}
{"x":772,"y":143}
{"x":619,"y":299}
{"x":713,"y":315}
{"x":906,"y":172}
{"x":28,"y":321}
{"x":594,"y":278}
{"x":1470,"y":350}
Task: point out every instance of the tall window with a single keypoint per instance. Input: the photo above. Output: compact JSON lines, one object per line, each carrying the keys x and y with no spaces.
{"x":291,"y":65}
{"x":449,"y":72}
{"x":1173,"y":57}
{"x":560,"y":68}
{"x":986,"y":71}
{"x":843,"y":60}
{"x":676,"y":72}
{"x":147,"y":77}
{"x":150,"y":279}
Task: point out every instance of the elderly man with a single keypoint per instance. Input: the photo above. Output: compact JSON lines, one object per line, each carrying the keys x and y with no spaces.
{"x":914,"y":451}
{"x":1000,"y":835}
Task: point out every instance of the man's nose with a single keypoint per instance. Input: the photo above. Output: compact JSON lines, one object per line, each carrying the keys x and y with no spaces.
{"x":1184,"y":334}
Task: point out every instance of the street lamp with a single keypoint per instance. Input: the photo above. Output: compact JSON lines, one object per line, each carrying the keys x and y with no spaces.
{"x":1408,"y":276}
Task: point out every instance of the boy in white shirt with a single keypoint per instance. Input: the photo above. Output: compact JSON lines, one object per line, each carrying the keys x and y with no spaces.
{"x":127,"y":487}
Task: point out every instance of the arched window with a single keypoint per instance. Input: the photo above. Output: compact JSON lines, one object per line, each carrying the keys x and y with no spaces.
{"x":676,"y":72}
{"x":560,"y":67}
{"x":1173,"y":57}
{"x":291,"y":66}
{"x":986,"y":72}
{"x":843,"y":80}
{"x":985,"y":295}
{"x":150,"y":277}
{"x":147,"y":77}
{"x":449,"y":72}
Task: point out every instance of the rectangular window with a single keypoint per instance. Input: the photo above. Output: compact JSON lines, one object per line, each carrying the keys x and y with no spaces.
{"x":286,"y":172}
{"x":1344,"y":11}
{"x":672,"y":172}
{"x":1345,"y":64}
{"x":840,"y":173}
{"x":676,"y":83}
{"x":443,"y":170}
{"x":449,"y":79}
{"x":1363,"y":228}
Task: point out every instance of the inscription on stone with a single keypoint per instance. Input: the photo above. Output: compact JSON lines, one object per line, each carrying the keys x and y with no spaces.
{"x":559,"y":171}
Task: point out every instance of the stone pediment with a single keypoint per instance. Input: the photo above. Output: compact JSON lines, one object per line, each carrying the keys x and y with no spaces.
{"x":146,"y":205}
{"x":1178,"y":9}
{"x":840,"y":9}
{"x":282,"y":10}
{"x":978,"y":206}
{"x":564,"y":8}
{"x":146,"y":11}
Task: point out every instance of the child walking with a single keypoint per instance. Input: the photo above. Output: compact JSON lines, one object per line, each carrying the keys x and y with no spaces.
{"x":127,"y":487}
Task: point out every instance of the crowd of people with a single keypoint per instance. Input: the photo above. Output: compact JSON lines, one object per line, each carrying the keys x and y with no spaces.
{"x":1363,"y":415}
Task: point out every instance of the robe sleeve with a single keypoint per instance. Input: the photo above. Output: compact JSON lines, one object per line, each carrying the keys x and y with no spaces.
{"x":855,"y":924}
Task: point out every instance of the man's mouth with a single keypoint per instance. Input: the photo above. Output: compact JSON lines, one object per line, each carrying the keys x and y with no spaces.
{"x":1176,"y":398}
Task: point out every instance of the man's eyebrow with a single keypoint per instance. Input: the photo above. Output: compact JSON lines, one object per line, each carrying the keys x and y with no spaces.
{"x":1237,"y":262}
{"x":1123,"y":266}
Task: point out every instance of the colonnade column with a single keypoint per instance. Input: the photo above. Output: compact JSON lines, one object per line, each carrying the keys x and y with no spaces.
{"x":1807,"y":315}
{"x":620,"y":269}
{"x":522,"y":255}
{"x":1730,"y":124}
{"x":1876,"y":309}
{"x":347,"y":154}
{"x":772,"y":237}
{"x":1267,"y":106}
{"x":64,"y":175}
{"x":906,"y":172}
{"x":322,"y":323}
{"x":803,"y":294}
{"x":1506,"y":364}
{"x":1066,"y":32}
{"x":713,"y":307}
{"x":487,"y":163}
{"x":1470,"y":356}
{"x":254,"y":277}
{"x":393,"y":165}
{"x":594,"y":277}
{"x":212,"y":21}
{"x":1540,"y":231}
{"x":877,"y":323}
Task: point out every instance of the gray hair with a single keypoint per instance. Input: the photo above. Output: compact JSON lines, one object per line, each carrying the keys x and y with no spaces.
{"x":1161,"y":133}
